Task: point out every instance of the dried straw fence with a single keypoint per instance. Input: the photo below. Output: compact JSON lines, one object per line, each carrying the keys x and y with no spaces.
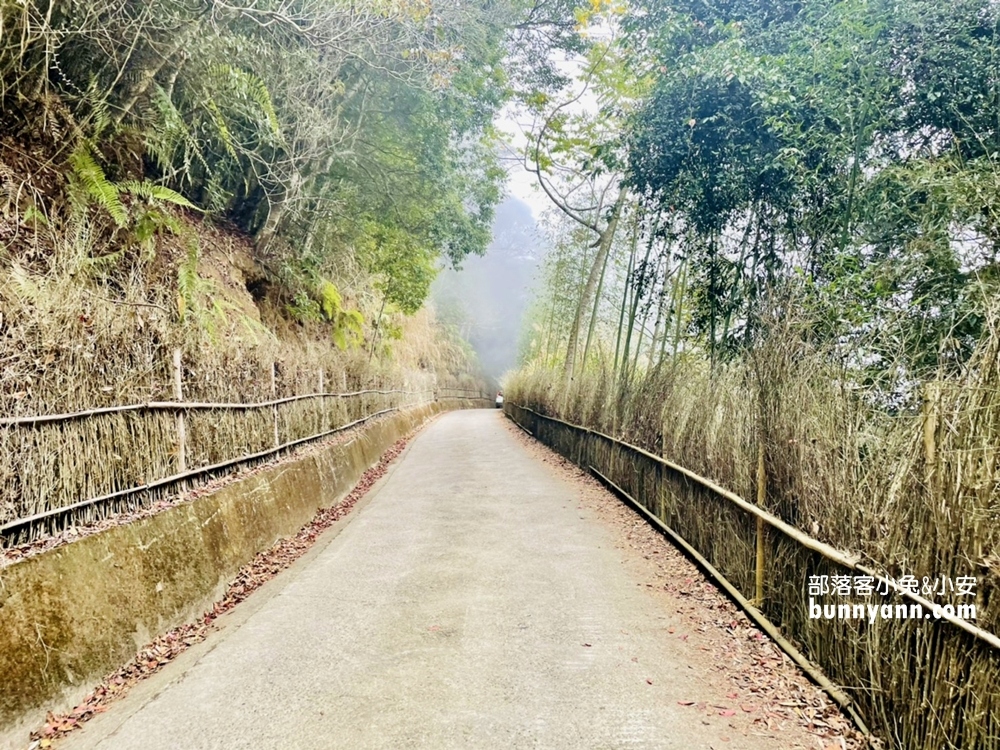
{"x":59,"y":470}
{"x":918,"y":683}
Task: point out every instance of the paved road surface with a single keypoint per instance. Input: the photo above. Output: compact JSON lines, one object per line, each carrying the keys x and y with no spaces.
{"x":453,"y":611}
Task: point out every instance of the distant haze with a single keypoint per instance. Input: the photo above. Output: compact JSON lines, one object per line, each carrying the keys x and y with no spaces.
{"x":488,"y":297}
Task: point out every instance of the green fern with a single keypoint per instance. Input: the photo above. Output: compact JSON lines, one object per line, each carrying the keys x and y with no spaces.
{"x":100,"y":264}
{"x":247,"y":86}
{"x":150,"y":191}
{"x":171,"y":140}
{"x":148,"y":224}
{"x":32,"y":214}
{"x":198,"y":300}
{"x":221,"y":128}
{"x":100,"y":110}
{"x":91,"y":186}
{"x":90,"y":179}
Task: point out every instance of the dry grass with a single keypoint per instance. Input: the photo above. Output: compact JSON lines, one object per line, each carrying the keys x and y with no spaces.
{"x":911,"y":494}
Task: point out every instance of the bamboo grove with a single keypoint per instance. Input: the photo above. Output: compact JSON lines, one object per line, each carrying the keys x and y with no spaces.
{"x":844,"y":153}
{"x":775,"y":250}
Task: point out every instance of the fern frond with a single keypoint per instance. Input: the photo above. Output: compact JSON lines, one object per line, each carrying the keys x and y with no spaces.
{"x":153,"y":192}
{"x":221,"y":128}
{"x":246,"y":85}
{"x":101,"y":263}
{"x":32,"y":214}
{"x":100,"y":113}
{"x":24,"y":286}
{"x":95,"y":184}
{"x":170,"y":133}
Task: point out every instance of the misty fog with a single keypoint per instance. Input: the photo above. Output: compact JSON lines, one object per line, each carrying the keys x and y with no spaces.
{"x":486,"y":299}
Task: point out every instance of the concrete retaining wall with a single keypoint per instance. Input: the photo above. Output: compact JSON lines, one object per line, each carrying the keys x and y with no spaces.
{"x":70,"y":616}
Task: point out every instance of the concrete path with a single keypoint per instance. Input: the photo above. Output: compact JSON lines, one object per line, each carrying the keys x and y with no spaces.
{"x":470,"y":604}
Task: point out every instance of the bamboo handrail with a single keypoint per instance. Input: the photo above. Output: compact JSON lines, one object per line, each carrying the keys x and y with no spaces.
{"x":174,"y":478}
{"x":188,"y":406}
{"x":814,"y":672}
{"x":844,"y":559}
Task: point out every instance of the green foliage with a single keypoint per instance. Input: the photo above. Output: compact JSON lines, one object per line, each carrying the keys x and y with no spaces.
{"x":305,"y":124}
{"x":149,"y":223}
{"x":403,"y":267}
{"x":35,"y":215}
{"x":153,"y":193}
{"x":242,"y":85}
{"x":88,"y":184}
{"x":323,"y":303}
{"x":346,"y":325}
{"x":198,"y":302}
{"x":835,"y":146}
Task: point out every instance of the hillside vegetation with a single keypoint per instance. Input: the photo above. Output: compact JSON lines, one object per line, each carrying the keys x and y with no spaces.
{"x":250,"y":181}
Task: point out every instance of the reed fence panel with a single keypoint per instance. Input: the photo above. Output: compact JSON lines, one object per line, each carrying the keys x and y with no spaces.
{"x":60,"y":470}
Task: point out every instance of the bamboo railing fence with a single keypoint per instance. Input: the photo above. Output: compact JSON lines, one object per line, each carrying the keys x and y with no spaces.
{"x":60,"y":470}
{"x":918,"y":683}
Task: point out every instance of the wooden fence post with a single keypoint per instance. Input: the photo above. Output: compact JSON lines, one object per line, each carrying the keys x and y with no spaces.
{"x":761,"y":501}
{"x":181,"y":427}
{"x":274,"y":408}
{"x":322,"y":403}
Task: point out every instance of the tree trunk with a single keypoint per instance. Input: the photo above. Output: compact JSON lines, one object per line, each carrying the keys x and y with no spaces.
{"x":593,"y":314}
{"x":625,"y":306}
{"x":148,"y":76}
{"x":658,"y":323}
{"x":680,"y":290}
{"x":634,"y":309}
{"x":604,"y":241}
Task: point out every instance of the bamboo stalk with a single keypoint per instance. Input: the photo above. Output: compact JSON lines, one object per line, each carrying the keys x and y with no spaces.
{"x":274,"y":409}
{"x":186,"y":406}
{"x":322,"y":402}
{"x":173,"y":479}
{"x":761,"y":501}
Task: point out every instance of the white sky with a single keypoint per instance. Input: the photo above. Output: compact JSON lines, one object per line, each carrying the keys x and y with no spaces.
{"x":518,"y":126}
{"x":521,"y":183}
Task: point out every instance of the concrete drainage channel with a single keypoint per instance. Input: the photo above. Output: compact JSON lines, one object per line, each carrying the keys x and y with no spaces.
{"x":71,"y":615}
